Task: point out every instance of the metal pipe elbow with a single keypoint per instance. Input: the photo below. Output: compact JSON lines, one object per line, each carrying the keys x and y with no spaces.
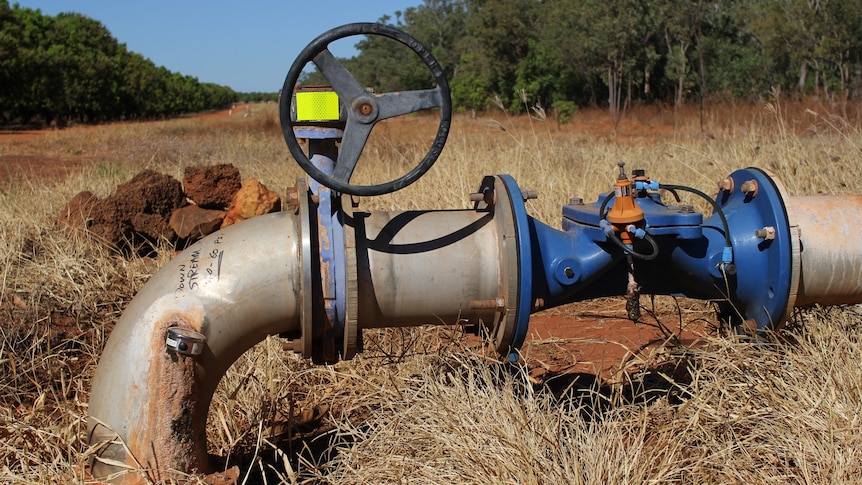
{"x":151,"y":392}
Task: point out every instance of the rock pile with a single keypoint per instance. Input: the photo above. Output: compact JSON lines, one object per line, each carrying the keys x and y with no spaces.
{"x":153,"y":207}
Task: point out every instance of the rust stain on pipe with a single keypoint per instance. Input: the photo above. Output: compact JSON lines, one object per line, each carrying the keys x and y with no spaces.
{"x":166,"y":434}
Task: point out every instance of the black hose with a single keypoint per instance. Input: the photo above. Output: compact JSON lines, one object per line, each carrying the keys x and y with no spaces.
{"x":605,"y":205}
{"x":641,"y":256}
{"x":714,"y":204}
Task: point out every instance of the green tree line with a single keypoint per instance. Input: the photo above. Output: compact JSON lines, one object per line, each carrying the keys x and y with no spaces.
{"x":68,"y":67}
{"x":561,"y":54}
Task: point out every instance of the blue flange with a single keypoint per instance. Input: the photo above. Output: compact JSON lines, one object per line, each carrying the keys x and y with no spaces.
{"x":767,"y":267}
{"x":525,"y":264}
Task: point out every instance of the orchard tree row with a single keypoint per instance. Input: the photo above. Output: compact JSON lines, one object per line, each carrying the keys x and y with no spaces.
{"x":557,"y":54}
{"x":568,"y":53}
{"x":58,"y":69}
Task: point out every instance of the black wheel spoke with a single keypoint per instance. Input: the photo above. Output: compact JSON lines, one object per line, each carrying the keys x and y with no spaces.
{"x":355,"y":136}
{"x":347,"y":87}
{"x":397,"y":104}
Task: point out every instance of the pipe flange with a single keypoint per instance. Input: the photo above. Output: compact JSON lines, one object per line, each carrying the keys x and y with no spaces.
{"x":520,"y":267}
{"x":352,"y":339}
{"x":306,"y":316}
{"x":766,"y":282}
{"x":795,"y":245}
{"x":510,"y":320}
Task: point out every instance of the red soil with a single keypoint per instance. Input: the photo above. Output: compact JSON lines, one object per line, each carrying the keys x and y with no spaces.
{"x":45,"y":168}
{"x":577,"y":340}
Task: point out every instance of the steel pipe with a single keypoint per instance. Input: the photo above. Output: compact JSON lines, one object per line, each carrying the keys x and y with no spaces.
{"x":427,"y":267}
{"x":149,"y":402}
{"x":214,"y":301}
{"x":830,"y":249}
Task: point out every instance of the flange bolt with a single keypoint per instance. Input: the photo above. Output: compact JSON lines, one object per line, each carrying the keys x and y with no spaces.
{"x":767,"y":233}
{"x":749,"y":188}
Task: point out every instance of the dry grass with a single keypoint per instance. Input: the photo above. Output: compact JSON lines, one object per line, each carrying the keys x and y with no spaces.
{"x":422,"y":405}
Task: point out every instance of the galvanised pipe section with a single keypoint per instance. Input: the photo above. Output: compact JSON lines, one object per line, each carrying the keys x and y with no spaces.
{"x":427,"y":265}
{"x":472,"y":267}
{"x":409,"y":268}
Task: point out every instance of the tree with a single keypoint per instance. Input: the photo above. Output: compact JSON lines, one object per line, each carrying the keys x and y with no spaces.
{"x":804,"y":35}
{"x":607,"y":40}
{"x":504,"y":31}
{"x":70,"y":68}
{"x":788,"y":33}
{"x":83,"y":50}
{"x":439,"y":25}
{"x":839,"y":44}
{"x":682,"y":25}
{"x":10,"y":33}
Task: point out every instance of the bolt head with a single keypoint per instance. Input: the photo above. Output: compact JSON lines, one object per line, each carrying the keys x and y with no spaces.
{"x":749,"y":188}
{"x":767,"y":233}
{"x":529,"y":194}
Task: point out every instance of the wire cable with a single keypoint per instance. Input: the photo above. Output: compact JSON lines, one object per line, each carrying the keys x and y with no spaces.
{"x":641,"y":256}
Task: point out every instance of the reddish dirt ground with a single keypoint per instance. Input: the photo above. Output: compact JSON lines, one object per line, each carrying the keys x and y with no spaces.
{"x":571,"y":340}
{"x":36,"y":167}
{"x":31,"y":167}
{"x":577,"y":340}
{"x":24,"y":167}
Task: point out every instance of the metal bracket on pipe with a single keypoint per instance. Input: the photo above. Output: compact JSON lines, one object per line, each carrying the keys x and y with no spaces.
{"x":185,"y":341}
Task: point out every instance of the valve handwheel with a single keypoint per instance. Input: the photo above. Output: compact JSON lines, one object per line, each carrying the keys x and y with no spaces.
{"x":365,"y":109}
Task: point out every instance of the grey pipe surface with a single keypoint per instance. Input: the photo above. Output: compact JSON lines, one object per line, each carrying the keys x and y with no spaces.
{"x":428,"y":267}
{"x":235,"y":287}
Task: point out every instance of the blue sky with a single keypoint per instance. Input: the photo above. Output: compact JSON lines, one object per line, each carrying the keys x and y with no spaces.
{"x":247,"y":45}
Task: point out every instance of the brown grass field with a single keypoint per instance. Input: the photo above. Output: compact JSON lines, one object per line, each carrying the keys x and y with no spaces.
{"x":428,"y":405}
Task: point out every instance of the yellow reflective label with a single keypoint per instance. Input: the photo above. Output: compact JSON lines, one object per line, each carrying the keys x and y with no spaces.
{"x":316,"y":106}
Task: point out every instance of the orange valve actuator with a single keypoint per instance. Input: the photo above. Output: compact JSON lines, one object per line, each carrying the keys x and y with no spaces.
{"x":625,"y":210}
